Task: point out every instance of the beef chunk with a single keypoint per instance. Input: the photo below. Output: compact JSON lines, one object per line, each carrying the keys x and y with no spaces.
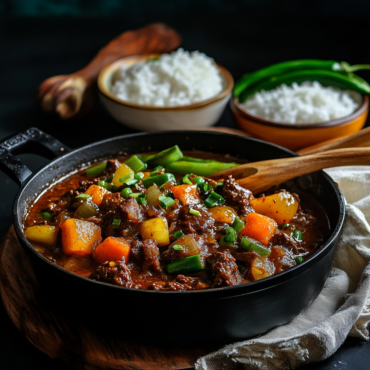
{"x":150,"y":255}
{"x":85,"y":184}
{"x":246,"y":257}
{"x":190,"y":282}
{"x":113,"y":273}
{"x":112,"y":166}
{"x":180,"y":283}
{"x":171,"y":255}
{"x":110,"y":202}
{"x":130,"y":209}
{"x":152,"y":211}
{"x":135,"y":251}
{"x":280,"y":238}
{"x":236,"y":196}
{"x":109,"y":209}
{"x":192,"y":224}
{"x":224,"y":270}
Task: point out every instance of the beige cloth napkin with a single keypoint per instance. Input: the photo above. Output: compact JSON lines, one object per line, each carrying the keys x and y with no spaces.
{"x":342,"y":308}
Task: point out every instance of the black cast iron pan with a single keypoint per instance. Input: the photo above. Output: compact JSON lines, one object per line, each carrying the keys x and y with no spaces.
{"x":215,"y":315}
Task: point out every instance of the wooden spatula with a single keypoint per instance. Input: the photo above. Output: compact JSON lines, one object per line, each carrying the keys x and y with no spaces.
{"x":358,"y":140}
{"x":261,"y":176}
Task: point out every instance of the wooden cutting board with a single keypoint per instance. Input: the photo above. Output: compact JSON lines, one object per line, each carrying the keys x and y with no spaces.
{"x":61,"y":338}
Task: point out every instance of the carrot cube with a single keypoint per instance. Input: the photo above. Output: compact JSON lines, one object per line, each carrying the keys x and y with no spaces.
{"x":97,"y":193}
{"x":187,"y":194}
{"x":259,"y":227}
{"x":112,"y":249}
{"x":79,"y":237}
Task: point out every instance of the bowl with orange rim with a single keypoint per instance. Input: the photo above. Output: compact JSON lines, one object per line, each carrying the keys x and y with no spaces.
{"x":296,"y":137}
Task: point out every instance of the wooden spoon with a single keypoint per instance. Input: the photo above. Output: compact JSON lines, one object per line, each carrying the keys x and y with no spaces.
{"x":358,"y":140}
{"x":261,"y":176}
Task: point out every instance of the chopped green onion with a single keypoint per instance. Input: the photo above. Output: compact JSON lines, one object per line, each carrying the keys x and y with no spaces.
{"x":219,"y":184}
{"x":186,"y":180}
{"x":178,"y":247}
{"x":159,"y":180}
{"x":285,"y":226}
{"x":83,"y":196}
{"x":135,"y":195}
{"x":97,"y":170}
{"x":113,"y":188}
{"x":126,"y":192}
{"x":199,"y":180}
{"x":231,"y":235}
{"x":188,"y":264}
{"x":297,"y":235}
{"x":238,"y":225}
{"x":116,"y":222}
{"x":299,"y":259}
{"x":46,"y":215}
{"x":156,"y":170}
{"x":141,"y":199}
{"x":139,"y":176}
{"x":123,"y":178}
{"x":109,"y":179}
{"x":165,"y":157}
{"x":194,"y":212}
{"x":253,"y":245}
{"x":178,"y":234}
{"x":135,"y":163}
{"x":131,"y":182}
{"x":166,"y":202}
{"x":214,"y":199}
{"x":229,"y":238}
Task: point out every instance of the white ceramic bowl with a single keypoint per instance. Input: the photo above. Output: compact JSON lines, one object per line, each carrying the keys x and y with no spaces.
{"x":149,"y":118}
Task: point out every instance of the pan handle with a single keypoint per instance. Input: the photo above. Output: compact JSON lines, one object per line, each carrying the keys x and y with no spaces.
{"x":31,"y":140}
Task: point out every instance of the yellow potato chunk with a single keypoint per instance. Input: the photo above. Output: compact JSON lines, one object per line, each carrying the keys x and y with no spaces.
{"x":157,"y":229}
{"x":79,"y":236}
{"x":124,"y":173}
{"x":223,"y":214}
{"x":281,"y":207}
{"x":261,"y":267}
{"x":44,"y":234}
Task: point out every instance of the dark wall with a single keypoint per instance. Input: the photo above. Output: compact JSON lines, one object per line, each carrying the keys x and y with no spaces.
{"x":168,"y":7}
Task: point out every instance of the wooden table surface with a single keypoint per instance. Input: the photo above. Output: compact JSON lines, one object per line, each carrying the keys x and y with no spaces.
{"x":34,"y":49}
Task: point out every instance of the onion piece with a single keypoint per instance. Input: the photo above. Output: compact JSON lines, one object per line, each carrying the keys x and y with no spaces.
{"x":152,"y":195}
{"x":86,"y":209}
{"x":190,"y":246}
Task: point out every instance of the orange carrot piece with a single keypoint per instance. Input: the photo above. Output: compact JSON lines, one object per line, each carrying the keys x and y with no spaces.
{"x":112,"y":249}
{"x":79,"y":237}
{"x":97,"y":193}
{"x":187,"y":194}
{"x":259,"y":227}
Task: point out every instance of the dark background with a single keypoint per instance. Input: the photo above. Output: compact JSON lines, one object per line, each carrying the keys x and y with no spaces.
{"x":40,"y":38}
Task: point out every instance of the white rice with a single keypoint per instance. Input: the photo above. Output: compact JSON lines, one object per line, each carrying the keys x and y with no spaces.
{"x":302,"y":104}
{"x":176,"y":79}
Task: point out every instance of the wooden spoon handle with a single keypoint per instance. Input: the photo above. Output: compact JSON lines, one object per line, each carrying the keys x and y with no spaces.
{"x":261,"y":176}
{"x":358,"y":140}
{"x":67,"y":95}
